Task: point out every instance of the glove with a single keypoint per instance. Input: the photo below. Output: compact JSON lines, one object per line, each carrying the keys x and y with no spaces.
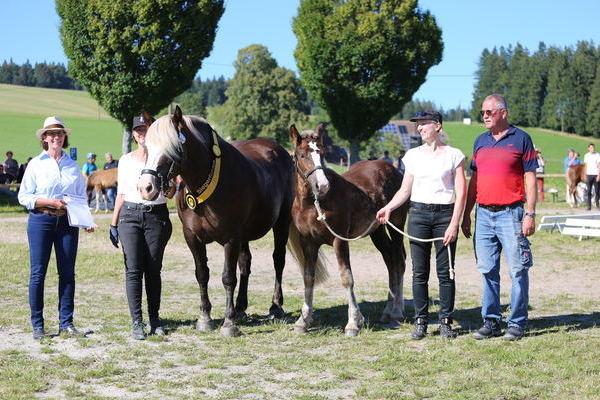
{"x":114,"y":236}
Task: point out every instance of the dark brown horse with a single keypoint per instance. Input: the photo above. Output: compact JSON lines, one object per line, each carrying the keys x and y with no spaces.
{"x":575,"y":174}
{"x":235,"y":193}
{"x":349,"y":203}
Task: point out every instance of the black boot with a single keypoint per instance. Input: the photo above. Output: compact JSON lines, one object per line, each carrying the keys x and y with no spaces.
{"x":420,"y":330}
{"x":446,"y":331}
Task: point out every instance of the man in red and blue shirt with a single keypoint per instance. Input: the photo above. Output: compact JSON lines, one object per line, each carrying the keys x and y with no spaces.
{"x":503,"y":184}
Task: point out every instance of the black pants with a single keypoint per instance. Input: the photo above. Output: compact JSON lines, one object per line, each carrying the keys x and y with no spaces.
{"x":428,"y":221}
{"x":591,"y":182}
{"x":144,"y":235}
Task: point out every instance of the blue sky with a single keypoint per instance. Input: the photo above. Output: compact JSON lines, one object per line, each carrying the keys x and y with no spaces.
{"x":29,"y":31}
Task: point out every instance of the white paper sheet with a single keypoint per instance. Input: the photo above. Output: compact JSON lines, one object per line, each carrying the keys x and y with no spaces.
{"x":79,"y":212}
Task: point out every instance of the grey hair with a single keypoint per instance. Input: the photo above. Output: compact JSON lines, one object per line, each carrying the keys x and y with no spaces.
{"x":499,"y":99}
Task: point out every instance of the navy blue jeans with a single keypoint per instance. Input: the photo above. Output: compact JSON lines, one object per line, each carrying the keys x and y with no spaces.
{"x":427,"y":221}
{"x":43,"y":232}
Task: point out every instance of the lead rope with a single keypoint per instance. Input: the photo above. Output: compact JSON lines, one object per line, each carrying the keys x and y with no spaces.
{"x":321,"y":217}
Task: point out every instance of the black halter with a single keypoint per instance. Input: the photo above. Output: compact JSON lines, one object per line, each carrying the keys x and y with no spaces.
{"x":309,"y":173}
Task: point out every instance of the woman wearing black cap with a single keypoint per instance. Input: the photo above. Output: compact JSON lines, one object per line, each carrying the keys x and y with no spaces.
{"x":144,"y":229}
{"x":435,"y":182}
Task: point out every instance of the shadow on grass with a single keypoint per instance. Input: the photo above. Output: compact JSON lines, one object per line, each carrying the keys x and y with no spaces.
{"x":9,"y":203}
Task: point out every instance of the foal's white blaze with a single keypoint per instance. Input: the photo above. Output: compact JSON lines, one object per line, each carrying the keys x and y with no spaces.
{"x":322,"y":182}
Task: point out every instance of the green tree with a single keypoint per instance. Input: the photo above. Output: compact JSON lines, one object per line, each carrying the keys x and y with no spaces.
{"x":262,"y":98}
{"x":536,"y":85}
{"x":581,"y":77}
{"x":362,"y":60}
{"x":518,"y":91}
{"x":134,"y":55}
{"x":593,"y":107}
{"x":558,"y":97}
{"x":492,"y":77}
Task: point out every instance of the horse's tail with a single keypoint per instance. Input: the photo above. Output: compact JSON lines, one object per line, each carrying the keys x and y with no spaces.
{"x":295,"y":248}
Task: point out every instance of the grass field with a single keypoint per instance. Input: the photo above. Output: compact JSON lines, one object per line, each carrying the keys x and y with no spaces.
{"x":557,"y":360}
{"x":23,"y":109}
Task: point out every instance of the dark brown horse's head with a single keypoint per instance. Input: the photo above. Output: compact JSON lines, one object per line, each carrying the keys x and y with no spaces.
{"x":164,"y":142}
{"x":309,"y":158}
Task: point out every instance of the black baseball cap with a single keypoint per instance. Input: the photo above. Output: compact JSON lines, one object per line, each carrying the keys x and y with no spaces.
{"x":428,"y":114}
{"x":138,"y":121}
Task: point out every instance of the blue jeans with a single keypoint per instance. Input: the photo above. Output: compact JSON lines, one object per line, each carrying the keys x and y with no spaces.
{"x":43,"y":232}
{"x":497,"y":231}
{"x":111,"y":194}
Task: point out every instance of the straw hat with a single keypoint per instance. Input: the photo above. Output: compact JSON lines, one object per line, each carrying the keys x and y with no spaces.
{"x":48,"y":126}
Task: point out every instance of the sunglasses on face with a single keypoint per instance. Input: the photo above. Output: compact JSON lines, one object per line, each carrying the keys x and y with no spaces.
{"x":488,"y":112}
{"x":56,"y":133}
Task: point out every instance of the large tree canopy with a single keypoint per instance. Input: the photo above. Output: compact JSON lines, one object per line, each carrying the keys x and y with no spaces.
{"x":362,"y":60}
{"x":263,"y":99}
{"x":137,"y":54}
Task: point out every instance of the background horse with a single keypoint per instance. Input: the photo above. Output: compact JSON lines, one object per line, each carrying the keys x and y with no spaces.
{"x":575,"y":174}
{"x":99,"y":181}
{"x":240,"y":191}
{"x":349,"y":202}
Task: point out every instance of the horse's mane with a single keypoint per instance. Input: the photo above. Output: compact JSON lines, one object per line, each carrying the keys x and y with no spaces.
{"x":309,"y":134}
{"x":165,"y":137}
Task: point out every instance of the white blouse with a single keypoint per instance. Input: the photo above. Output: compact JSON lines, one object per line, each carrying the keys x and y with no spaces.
{"x":433,"y":174}
{"x":129,"y":173}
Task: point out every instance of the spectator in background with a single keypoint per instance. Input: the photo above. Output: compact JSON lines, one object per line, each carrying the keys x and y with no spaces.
{"x":11,"y":166}
{"x":90,"y":166}
{"x":386,"y":157}
{"x":570,"y":160}
{"x":22,"y":169}
{"x":540,"y":170}
{"x":4,"y":177}
{"x":592,"y":170}
{"x":399,"y":164}
{"x":372,"y":155}
{"x":111,"y":193}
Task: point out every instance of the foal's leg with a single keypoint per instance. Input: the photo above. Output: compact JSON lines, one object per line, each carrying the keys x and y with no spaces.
{"x":97,"y":200}
{"x":311,"y":253}
{"x":232,"y":253}
{"x":244,"y":262}
{"x":198,"y":249}
{"x":355,"y":318}
{"x":280,"y":235}
{"x":392,"y":252}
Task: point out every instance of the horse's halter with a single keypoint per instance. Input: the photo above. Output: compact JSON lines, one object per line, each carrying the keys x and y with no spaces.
{"x":164,"y":188}
{"x":305,"y":176}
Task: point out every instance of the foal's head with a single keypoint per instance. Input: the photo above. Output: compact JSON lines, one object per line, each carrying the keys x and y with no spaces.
{"x":309,"y":155}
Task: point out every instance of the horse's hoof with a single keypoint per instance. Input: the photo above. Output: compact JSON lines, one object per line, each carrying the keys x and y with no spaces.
{"x":394,"y":323}
{"x":240,"y":315}
{"x":230,"y":331}
{"x":205,"y":325}
{"x":300,"y":329}
{"x":351,"y":332}
{"x":276,"y":313}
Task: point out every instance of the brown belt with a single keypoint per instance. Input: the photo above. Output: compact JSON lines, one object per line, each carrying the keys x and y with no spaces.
{"x":52,"y":211}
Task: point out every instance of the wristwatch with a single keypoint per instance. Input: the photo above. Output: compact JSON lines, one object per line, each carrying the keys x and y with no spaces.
{"x":532,"y":215}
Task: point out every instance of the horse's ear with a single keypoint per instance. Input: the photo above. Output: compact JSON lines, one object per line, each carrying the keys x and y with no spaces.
{"x":177,"y":117}
{"x":294,"y":135}
{"x":148,"y":118}
{"x":320,"y":133}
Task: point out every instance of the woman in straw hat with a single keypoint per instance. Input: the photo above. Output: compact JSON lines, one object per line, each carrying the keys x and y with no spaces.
{"x":49,"y":177}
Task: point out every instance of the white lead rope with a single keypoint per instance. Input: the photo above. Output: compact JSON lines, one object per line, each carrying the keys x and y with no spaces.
{"x":321,"y":217}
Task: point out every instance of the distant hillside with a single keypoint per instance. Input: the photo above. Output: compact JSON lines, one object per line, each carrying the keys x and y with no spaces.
{"x":42,"y":101}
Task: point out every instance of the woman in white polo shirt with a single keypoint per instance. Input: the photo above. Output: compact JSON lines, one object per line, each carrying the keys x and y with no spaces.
{"x":144,"y":229}
{"x":435,"y":183}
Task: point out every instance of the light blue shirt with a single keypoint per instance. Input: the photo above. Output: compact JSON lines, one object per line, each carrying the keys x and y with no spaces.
{"x":47,"y":179}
